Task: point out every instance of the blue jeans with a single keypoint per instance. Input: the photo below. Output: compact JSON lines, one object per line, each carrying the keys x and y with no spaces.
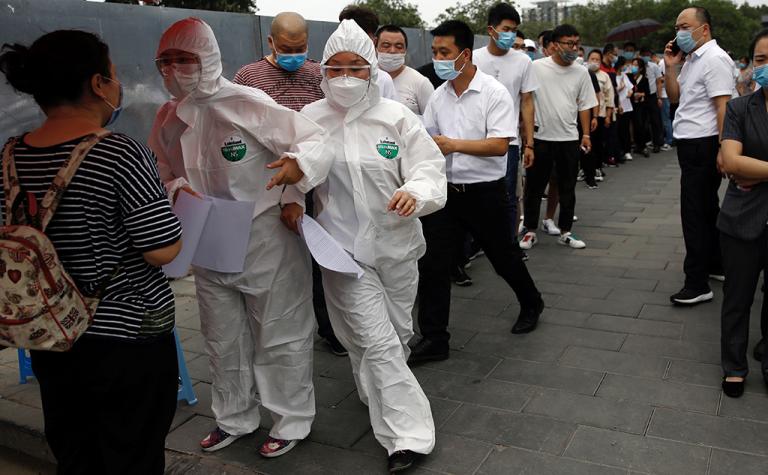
{"x":666,"y":121}
{"x":513,"y":163}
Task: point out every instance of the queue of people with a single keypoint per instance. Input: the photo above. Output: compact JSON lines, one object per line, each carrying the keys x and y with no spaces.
{"x":406,"y":169}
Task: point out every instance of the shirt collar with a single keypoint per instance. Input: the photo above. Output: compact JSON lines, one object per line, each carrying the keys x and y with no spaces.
{"x":474,"y":85}
{"x":704,"y":48}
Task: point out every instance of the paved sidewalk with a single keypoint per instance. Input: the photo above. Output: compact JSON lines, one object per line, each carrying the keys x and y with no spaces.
{"x":614,"y":381}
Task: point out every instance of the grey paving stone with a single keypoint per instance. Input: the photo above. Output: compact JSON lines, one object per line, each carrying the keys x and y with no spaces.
{"x":454,"y":454}
{"x":752,"y":406}
{"x":695,"y":373}
{"x":637,"y":452}
{"x":501,"y":345}
{"x":330,"y":392}
{"x":546,"y":334}
{"x":511,"y":461}
{"x":336,"y":368}
{"x":487,"y":392}
{"x":665,"y":313}
{"x":634,"y":325}
{"x":28,"y":394}
{"x":508,"y":428}
{"x":732,"y":463}
{"x":584,"y":304}
{"x":187,"y":437}
{"x":548,"y":375}
{"x":694,"y":332}
{"x":338,"y":427}
{"x":713,"y":431}
{"x":655,"y":274}
{"x":467,"y":364}
{"x":199,"y":369}
{"x":592,"y":411}
{"x":203,"y":406}
{"x":639,"y":296}
{"x":661,"y":393}
{"x":483,"y":323}
{"x":573,"y":290}
{"x":481,"y":307}
{"x":564,"y":317}
{"x":460,"y":337}
{"x":614,"y":362}
{"x":656,"y":346}
{"x":442,"y":410}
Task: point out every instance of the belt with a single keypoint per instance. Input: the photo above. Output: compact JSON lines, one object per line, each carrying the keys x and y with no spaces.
{"x":470,"y":187}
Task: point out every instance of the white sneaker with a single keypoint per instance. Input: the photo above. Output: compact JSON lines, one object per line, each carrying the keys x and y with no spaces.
{"x":580,"y":176}
{"x":550,"y":227}
{"x":598,"y":175}
{"x":528,"y":241}
{"x":575,"y":218}
{"x":521,"y":227}
{"x":568,"y":239}
{"x":628,"y":157}
{"x":666,"y":147}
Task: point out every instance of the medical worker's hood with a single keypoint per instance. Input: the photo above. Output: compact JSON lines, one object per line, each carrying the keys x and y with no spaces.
{"x":195,"y":36}
{"x":349,"y":37}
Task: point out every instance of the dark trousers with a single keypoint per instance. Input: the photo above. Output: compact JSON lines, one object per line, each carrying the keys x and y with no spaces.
{"x":654,"y":117}
{"x":482,"y":211}
{"x":108,"y":405}
{"x":564,"y":157}
{"x":324,"y":328}
{"x":640,"y":125}
{"x":513,"y":165}
{"x":743,"y":261}
{"x":699,"y":206}
{"x":594,"y":159}
{"x":625,"y":132}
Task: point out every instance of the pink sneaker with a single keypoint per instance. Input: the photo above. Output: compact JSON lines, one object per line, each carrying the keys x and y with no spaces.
{"x":217,"y":439}
{"x":276,"y":447}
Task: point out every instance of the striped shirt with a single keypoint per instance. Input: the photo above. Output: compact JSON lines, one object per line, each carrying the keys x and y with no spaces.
{"x":114,"y":209}
{"x":293,"y":90}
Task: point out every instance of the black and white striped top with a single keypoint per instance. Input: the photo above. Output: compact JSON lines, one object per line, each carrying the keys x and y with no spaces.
{"x":114,"y":209}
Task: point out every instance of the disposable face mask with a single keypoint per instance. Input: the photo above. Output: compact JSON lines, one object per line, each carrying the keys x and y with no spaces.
{"x":347,"y":91}
{"x":593,"y":66}
{"x":760,"y":75}
{"x":685,"y":40}
{"x":568,"y":56}
{"x":391,"y":61}
{"x":634,"y":69}
{"x":741,"y":65}
{"x":506,"y":39}
{"x":182,"y":79}
{"x":647,"y":59}
{"x":290,"y":62}
{"x":446,"y":68}
{"x":116,"y":110}
{"x":531,"y":54}
{"x":628,"y":54}
{"x":614,"y":61}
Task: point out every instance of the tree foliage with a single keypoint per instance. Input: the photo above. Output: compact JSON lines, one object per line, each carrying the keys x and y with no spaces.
{"x":234,"y":6}
{"x":395,"y":12}
{"x":474,"y":14}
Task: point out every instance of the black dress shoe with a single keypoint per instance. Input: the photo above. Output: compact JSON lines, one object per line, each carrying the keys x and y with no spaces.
{"x":428,"y":350}
{"x":733,"y":388}
{"x":528,"y":319}
{"x":401,"y":460}
{"x":759,"y":350}
{"x":336,"y":347}
{"x":460,"y":277}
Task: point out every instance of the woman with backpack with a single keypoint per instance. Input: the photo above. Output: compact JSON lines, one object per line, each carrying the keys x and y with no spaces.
{"x":108,"y":401}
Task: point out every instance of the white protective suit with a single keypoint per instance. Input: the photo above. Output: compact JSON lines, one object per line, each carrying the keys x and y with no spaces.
{"x":380,"y":147}
{"x":257,"y":324}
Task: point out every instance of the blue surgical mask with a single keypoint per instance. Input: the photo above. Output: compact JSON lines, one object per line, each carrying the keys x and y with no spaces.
{"x":614,"y":61}
{"x":685,"y":40}
{"x":628,"y":54}
{"x":531,"y":54}
{"x":569,"y":56}
{"x":647,"y":59}
{"x":290,"y":62}
{"x":116,"y":110}
{"x":446,"y":68}
{"x":634,"y":69}
{"x":505,"y":39}
{"x":760,"y":75}
{"x":741,"y":65}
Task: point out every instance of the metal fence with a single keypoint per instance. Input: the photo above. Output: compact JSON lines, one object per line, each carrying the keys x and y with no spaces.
{"x":132,"y":33}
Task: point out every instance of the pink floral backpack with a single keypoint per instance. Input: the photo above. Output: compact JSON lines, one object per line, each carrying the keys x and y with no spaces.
{"x":40,"y":305}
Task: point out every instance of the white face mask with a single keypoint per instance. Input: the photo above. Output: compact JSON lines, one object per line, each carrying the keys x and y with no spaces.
{"x":391,"y":61}
{"x":593,"y":66}
{"x":182,"y":79}
{"x":347,"y":91}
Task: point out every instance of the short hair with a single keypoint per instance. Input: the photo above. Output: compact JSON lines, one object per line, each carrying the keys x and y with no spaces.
{"x":461,"y":32}
{"x":598,"y":52}
{"x":581,"y":48}
{"x":645,"y":49}
{"x":392,"y":29}
{"x":564,"y":30}
{"x":520,"y":34}
{"x":544,"y":34}
{"x":620,"y":61}
{"x":608,"y":48}
{"x":502,"y":11}
{"x":762,"y":34}
{"x":702,"y":14}
{"x":628,"y":44}
{"x":546,"y":38}
{"x":365,"y":18}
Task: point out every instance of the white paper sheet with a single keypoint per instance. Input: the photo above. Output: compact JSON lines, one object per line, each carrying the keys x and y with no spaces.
{"x":326,"y":251}
{"x":224,"y":242}
{"x":192,"y":213}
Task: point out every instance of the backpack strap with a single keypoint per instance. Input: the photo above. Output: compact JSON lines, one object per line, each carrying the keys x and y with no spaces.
{"x":60,"y":183}
{"x":11,"y":185}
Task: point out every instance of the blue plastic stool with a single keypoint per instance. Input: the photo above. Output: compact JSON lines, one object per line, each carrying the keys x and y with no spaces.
{"x":186,"y":392}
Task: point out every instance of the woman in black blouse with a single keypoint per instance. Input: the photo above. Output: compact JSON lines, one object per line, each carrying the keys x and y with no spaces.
{"x":743,"y":217}
{"x":640,"y":106}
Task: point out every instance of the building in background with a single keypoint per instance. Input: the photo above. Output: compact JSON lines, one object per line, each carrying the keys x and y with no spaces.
{"x":549,"y":11}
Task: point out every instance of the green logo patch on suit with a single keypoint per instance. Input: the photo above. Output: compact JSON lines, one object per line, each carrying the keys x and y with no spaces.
{"x":234,"y":149}
{"x":388,"y":148}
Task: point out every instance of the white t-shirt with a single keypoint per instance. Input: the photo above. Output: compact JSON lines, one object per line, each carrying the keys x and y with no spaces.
{"x":514,"y":70}
{"x":413,"y":90}
{"x":624,"y":92}
{"x":664,"y":82}
{"x":652,"y":72}
{"x":484,"y":110}
{"x":563,"y":92}
{"x":386,"y":85}
{"x":706,"y":74}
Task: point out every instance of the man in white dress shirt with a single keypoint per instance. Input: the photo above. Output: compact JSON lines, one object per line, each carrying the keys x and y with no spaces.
{"x":472,"y":118}
{"x":702,"y":88}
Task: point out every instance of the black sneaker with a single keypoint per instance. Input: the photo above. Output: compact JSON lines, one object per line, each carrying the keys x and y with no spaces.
{"x":529,"y":318}
{"x":401,"y":460}
{"x":460,"y":277}
{"x":336,"y":347}
{"x":691,"y":297}
{"x":592,"y":185}
{"x":428,"y":350}
{"x":525,"y":256}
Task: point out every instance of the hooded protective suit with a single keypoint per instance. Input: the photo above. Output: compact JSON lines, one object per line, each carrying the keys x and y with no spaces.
{"x":380,"y":148}
{"x":257,"y":324}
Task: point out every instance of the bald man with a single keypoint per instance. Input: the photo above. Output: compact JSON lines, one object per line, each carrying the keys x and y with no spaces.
{"x":293,"y":81}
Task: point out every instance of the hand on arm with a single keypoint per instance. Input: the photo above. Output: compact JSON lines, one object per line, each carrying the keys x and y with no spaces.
{"x":288,"y":174}
{"x":290,"y":216}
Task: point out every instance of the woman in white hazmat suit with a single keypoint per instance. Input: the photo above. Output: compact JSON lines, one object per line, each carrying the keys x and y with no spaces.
{"x":386,"y":172}
{"x":217,"y":138}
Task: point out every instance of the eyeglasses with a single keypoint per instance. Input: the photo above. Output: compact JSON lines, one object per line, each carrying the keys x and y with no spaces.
{"x":571,"y":44}
{"x":166,"y":61}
